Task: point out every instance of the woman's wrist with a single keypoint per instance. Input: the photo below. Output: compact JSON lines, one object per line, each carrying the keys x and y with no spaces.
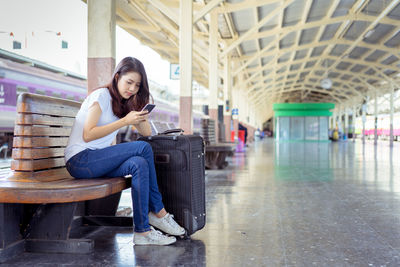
{"x":139,"y":123}
{"x":124,"y":122}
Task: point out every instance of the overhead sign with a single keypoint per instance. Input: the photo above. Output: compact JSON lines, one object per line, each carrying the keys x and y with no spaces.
{"x":174,"y":71}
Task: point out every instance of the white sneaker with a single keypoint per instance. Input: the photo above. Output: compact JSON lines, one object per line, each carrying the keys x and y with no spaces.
{"x":166,"y":224}
{"x":153,"y":238}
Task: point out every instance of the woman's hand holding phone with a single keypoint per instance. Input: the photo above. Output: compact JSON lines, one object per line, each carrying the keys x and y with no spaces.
{"x":136,"y":117}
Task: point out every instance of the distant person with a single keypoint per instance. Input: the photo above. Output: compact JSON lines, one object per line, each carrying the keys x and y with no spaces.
{"x":257,"y":134}
{"x":91,"y":154}
{"x":241,"y":127}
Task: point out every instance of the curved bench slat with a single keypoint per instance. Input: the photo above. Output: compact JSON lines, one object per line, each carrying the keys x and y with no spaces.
{"x":39,"y":141}
{"x":63,"y":191}
{"x":33,"y":103}
{"x":37,"y":164}
{"x":27,"y":130}
{"x":37,"y":153}
{"x":37,"y":119}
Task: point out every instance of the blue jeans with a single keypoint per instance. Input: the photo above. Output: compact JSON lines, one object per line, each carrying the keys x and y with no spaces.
{"x":134,"y":158}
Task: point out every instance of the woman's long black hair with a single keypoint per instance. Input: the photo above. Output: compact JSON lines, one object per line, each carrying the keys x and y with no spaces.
{"x":121,"y":106}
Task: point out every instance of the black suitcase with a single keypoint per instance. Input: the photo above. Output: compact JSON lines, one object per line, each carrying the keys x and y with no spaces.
{"x":179,"y":161}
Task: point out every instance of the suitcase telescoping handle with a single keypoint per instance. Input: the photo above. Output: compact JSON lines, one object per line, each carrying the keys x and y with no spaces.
{"x":171,"y":131}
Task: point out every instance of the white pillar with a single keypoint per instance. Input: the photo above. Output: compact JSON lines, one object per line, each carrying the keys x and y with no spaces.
{"x":334,"y":120}
{"x":339,"y":119}
{"x":227,"y":97}
{"x":242,"y":106}
{"x":213,"y":70}
{"x":376,"y":119}
{"x":364,"y":107}
{"x":354,"y":123}
{"x":346,"y":123}
{"x":185,"y":63}
{"x":391,"y":113}
{"x":235,"y":105}
{"x":101,"y":42}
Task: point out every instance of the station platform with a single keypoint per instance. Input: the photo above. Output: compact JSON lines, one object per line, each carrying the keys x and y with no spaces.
{"x":277,"y":204}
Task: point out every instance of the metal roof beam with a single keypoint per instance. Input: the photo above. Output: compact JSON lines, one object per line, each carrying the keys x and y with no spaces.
{"x":165,"y":10}
{"x":393,"y":51}
{"x":228,"y":8}
{"x":388,"y":78}
{"x":205,"y":10}
{"x":318,"y":23}
{"x":261,"y":23}
{"x":310,"y":70}
{"x":360,"y":37}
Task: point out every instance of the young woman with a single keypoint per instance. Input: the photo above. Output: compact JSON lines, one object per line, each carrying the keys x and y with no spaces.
{"x":90,"y":153}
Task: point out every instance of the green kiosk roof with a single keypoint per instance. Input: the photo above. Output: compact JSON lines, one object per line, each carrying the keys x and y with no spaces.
{"x":303,"y":109}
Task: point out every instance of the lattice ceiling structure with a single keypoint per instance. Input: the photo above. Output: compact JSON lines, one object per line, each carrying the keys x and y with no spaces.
{"x":283,"y":49}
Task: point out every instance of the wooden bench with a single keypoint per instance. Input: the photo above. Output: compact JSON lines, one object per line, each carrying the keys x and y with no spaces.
{"x":216,"y":153}
{"x":40,"y":203}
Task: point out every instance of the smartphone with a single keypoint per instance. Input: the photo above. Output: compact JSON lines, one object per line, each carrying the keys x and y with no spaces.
{"x":149,"y":107}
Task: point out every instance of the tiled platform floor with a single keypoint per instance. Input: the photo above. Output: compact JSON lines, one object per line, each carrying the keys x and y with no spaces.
{"x":287,"y":204}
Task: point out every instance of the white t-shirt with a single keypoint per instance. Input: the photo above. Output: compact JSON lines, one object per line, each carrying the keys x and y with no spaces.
{"x":76,"y":143}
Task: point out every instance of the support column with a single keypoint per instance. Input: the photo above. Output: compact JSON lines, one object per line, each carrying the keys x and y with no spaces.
{"x":346,"y":124}
{"x":364,"y":107}
{"x":339,"y":119}
{"x":391,"y":114}
{"x":376,"y":120}
{"x":242,"y":109}
{"x":101,"y":42}
{"x":235,"y":117}
{"x":235,"y":104}
{"x":354,"y":123}
{"x":185,"y":63}
{"x":11,"y":241}
{"x":213,"y":71}
{"x":227,"y":97}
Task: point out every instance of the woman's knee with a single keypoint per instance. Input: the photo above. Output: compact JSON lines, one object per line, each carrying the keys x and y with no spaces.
{"x":146,"y":147}
{"x":140,"y":165}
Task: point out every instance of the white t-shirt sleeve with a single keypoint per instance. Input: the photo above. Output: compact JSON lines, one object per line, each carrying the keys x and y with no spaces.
{"x":100,"y":97}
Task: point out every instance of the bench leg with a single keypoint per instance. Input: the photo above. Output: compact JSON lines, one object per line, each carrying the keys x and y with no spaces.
{"x":221,"y":162}
{"x":101,"y":212}
{"x":216,"y":160}
{"x":48,"y":227}
{"x":103,"y":206}
{"x":211,"y":158}
{"x":11,"y":242}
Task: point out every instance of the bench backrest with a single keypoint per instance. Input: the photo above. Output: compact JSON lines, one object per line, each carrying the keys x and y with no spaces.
{"x":42,"y":128}
{"x":208,"y":131}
